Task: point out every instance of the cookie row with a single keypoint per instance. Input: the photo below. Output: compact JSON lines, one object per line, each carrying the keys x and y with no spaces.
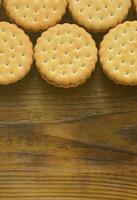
{"x":66,"y":54}
{"x":95,"y":15}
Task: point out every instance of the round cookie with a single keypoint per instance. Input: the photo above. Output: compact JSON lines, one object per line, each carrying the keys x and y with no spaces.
{"x":118,"y":53}
{"x":99,"y":15}
{"x":35,"y":15}
{"x":65,"y":55}
{"x":16,"y":53}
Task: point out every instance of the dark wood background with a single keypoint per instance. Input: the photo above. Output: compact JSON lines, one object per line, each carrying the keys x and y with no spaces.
{"x":73,"y":144}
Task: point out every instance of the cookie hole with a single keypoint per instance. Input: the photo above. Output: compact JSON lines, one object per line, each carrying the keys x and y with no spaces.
{"x":63,"y":73}
{"x":112,"y":14}
{"x":90,"y":18}
{"x":7,"y":64}
{"x":106,"y":6}
{"x":53,"y":70}
{"x":97,"y":9}
{"x":89,"y":5}
{"x":3,"y":30}
{"x":44,"y":6}
{"x":122,"y":61}
{"x":44,"y":50}
{"x":101,"y":18}
{"x":13,"y":57}
{"x":20,"y":65}
{"x":54,"y":9}
{"x":119,"y":6}
{"x":123,"y":44}
{"x":21,"y":44}
{"x":110,"y":59}
{"x":54,"y":49}
{"x":81,"y":10}
{"x":47,"y":17}
{"x":35,"y":11}
{"x":11,"y":73}
{"x":45,"y":61}
{"x":74,"y":72}
{"x":27,"y":6}
{"x":53,"y":58}
{"x":5,"y":41}
{"x":115,"y":38}
{"x":66,"y":53}
{"x":116,"y":68}
{"x":110,"y":48}
{"x":1,"y":52}
{"x":11,"y":48}
{"x":61,"y":42}
{"x":131,"y":39}
{"x":119,"y":53}
{"x":83,"y":65}
{"x":131,"y":51}
{"x":68,"y":32}
{"x":127,"y":73}
{"x":124,"y":31}
{"x":24,"y":16}
{"x":13,"y":35}
{"x":77,"y":57}
{"x":17,"y":7}
{"x":23,"y":54}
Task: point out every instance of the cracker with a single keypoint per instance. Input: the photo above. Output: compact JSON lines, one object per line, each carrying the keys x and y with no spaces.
{"x":35,"y":15}
{"x":118,"y":53}
{"x":15,"y":53}
{"x":99,"y":15}
{"x":65,"y":55}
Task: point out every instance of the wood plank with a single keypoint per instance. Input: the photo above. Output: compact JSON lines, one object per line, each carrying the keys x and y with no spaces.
{"x":39,"y":163}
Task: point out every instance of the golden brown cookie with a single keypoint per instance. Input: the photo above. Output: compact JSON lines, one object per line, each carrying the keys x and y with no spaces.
{"x":16,"y":53}
{"x":99,"y":15}
{"x":35,"y":15}
{"x":118,"y":53}
{"x":65,"y":55}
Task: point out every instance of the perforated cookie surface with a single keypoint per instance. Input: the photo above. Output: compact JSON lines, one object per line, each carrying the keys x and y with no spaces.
{"x":66,"y":55}
{"x":118,"y":53}
{"x":99,"y":15}
{"x":35,"y":15}
{"x":15,"y":53}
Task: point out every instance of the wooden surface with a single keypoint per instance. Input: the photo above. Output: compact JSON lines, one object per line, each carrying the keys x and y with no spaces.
{"x":74,"y":144}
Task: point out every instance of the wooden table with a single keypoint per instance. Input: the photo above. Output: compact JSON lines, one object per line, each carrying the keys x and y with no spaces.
{"x":74,"y":144}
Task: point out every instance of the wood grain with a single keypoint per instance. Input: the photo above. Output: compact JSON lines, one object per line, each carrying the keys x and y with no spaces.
{"x":74,"y":144}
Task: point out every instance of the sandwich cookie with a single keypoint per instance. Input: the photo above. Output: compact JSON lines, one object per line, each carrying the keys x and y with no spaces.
{"x":65,"y":55}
